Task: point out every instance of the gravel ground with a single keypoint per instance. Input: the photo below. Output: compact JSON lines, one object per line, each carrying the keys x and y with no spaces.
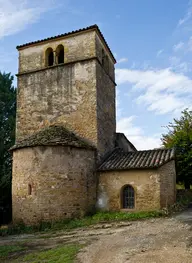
{"x":165,"y":240}
{"x":161,"y":240}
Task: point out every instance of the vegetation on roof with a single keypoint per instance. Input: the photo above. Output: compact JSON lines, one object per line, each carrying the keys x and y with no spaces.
{"x":53,"y":135}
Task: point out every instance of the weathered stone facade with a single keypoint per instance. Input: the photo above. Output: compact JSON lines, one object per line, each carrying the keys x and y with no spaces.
{"x":154,"y":188}
{"x":167,"y":183}
{"x":66,"y":126}
{"x":76,"y":48}
{"x":62,"y":182}
{"x":79,"y":94}
{"x":64,"y":95}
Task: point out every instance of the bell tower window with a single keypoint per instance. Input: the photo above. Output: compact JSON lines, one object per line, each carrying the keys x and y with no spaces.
{"x":49,"y":56}
{"x":60,"y":54}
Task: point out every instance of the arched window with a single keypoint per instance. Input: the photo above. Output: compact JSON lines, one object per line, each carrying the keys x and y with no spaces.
{"x":60,"y":54}
{"x":49,"y":56}
{"x":128,"y":197}
{"x":29,"y":189}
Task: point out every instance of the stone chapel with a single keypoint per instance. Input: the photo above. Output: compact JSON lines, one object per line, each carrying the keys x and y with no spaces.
{"x":68,"y":158}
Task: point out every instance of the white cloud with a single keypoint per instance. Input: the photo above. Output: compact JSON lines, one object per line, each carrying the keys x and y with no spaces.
{"x":137,"y":135}
{"x":174,"y":61}
{"x":159,"y":52}
{"x":118,"y":103}
{"x":163,"y":91}
{"x":122,"y":60}
{"x":178,"y":46}
{"x":16,"y":15}
{"x":176,"y":64}
{"x":187,"y":16}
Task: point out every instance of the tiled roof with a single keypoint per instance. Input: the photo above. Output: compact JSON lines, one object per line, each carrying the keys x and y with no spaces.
{"x":120,"y":160}
{"x":68,"y":34}
{"x":52,"y":136}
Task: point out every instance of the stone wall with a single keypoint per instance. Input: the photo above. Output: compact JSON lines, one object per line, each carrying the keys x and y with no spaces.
{"x":122,"y":142}
{"x":76,"y":47}
{"x":106,"y":95}
{"x":106,"y":111}
{"x":60,"y":95}
{"x":168,"y":184}
{"x":79,"y":94}
{"x":62,"y":180}
{"x":145,"y":182}
{"x":100,"y":48}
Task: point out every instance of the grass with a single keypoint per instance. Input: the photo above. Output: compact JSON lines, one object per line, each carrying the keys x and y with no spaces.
{"x":181,"y":186}
{"x":76,"y":223}
{"x":64,"y":254}
{"x":6,"y":251}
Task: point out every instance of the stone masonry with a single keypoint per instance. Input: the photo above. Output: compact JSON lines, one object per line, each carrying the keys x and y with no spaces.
{"x":167,"y":183}
{"x":146,"y":184}
{"x":79,"y":94}
{"x":154,"y":188}
{"x":68,"y":158}
{"x":62,"y":181}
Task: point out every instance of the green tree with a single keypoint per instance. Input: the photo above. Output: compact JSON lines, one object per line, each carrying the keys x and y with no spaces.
{"x":180,"y":136}
{"x":7,"y":135}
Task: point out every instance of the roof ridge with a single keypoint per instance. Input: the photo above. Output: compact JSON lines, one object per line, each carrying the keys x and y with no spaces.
{"x":95,"y":26}
{"x":53,"y":135}
{"x":145,"y":159}
{"x":157,"y":149}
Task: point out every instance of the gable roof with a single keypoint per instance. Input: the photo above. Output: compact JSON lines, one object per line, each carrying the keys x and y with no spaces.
{"x":121,"y":141}
{"x":120,"y":160}
{"x":93,"y":27}
{"x":52,"y":136}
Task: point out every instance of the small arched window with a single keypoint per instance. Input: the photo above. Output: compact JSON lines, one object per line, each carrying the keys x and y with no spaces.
{"x":60,"y":54}
{"x":128,"y":197}
{"x":29,"y":189}
{"x":49,"y":56}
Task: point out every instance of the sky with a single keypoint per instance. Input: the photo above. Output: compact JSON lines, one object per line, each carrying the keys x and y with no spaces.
{"x":152,"y":43}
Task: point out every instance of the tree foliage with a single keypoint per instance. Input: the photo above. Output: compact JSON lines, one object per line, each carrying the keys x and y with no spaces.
{"x":180,"y":136}
{"x":7,"y":135}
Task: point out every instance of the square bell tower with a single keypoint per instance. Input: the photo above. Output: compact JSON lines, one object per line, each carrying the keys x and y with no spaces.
{"x":68,"y":80}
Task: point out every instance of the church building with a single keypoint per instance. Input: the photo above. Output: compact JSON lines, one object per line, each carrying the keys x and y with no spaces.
{"x":68,"y":158}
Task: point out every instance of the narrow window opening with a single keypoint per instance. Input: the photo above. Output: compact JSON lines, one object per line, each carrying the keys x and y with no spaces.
{"x":49,"y":57}
{"x":60,"y":54}
{"x":128,"y":197}
{"x":29,"y":189}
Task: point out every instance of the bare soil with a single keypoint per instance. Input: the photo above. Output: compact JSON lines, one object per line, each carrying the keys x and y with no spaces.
{"x":161,"y":240}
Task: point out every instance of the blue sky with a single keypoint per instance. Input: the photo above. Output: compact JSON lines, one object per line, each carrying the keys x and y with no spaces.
{"x":151,"y":40}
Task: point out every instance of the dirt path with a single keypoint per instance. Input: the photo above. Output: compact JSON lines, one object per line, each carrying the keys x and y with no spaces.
{"x":162,"y":240}
{"x":152,"y":241}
